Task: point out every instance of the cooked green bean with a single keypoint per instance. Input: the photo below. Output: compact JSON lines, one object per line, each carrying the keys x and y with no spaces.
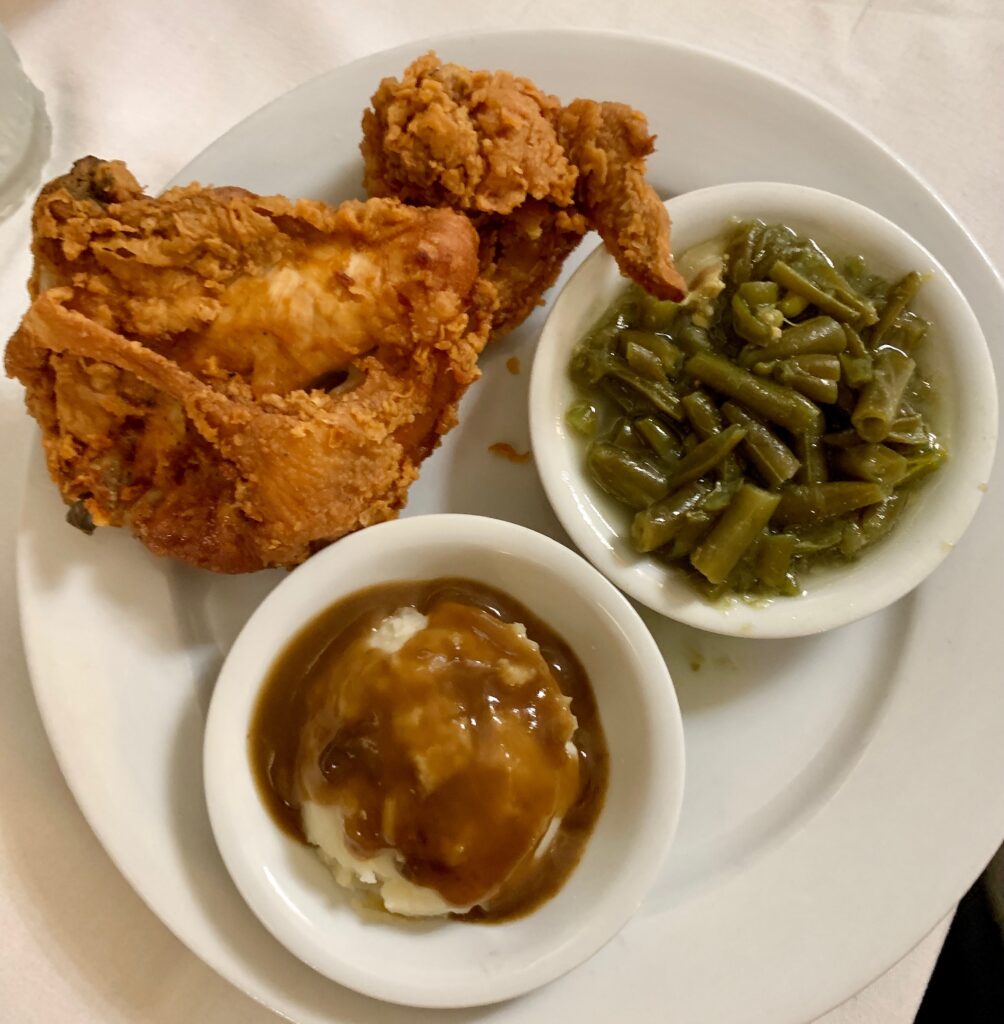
{"x":878,"y":520}
{"x":582,"y":417}
{"x":637,"y":480}
{"x":644,"y":361}
{"x":803,"y":503}
{"x":624,"y":435}
{"x":819,"y":365}
{"x":855,"y":346}
{"x":705,"y":456}
{"x":856,"y":371}
{"x":703,"y":416}
{"x":661,"y":440}
{"x":669,"y":355}
{"x":900,"y":296}
{"x":769,"y":454}
{"x":874,"y":462}
{"x":771,"y":421}
{"x":909,"y":430}
{"x":773,"y":559}
{"x":754,"y":317}
{"x":878,"y":406}
{"x":740,"y":524}
{"x":821,"y":335}
{"x":858,"y":313}
{"x":810,"y":453}
{"x":656,"y":525}
{"x":772,"y":401}
{"x":793,"y":305}
{"x":924,"y":462}
{"x":815,"y":388}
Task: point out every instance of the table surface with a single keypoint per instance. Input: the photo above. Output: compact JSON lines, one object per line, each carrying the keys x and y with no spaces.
{"x":153,"y":84}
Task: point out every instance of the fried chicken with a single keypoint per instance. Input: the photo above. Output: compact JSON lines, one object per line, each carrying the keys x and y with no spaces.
{"x":532,"y":175}
{"x":242,"y":379}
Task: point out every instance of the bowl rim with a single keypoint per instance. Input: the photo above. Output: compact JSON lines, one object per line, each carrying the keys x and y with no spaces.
{"x":224,"y":750}
{"x":673,"y":597}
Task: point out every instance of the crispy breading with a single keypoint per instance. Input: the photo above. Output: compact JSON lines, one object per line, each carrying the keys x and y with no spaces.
{"x":241,"y":379}
{"x":532,"y":175}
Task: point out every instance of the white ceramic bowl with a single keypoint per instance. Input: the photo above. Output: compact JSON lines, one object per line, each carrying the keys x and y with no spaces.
{"x":446,"y":963}
{"x":954,"y":355}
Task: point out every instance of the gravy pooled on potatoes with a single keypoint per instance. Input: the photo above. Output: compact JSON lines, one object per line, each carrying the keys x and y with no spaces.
{"x":437,"y":739}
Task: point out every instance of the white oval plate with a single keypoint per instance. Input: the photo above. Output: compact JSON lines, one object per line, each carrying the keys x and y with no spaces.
{"x":843,"y":788}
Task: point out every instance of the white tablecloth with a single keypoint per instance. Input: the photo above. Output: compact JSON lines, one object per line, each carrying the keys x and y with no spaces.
{"x":154,"y":83}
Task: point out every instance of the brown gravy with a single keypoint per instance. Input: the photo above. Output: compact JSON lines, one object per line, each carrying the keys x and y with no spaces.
{"x":358,"y":757}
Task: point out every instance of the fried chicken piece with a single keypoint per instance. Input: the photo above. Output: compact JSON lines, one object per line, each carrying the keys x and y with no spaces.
{"x":532,"y":175}
{"x":242,"y":379}
{"x":608,"y":143}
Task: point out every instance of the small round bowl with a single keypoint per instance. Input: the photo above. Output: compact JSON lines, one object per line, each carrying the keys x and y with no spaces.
{"x":954,"y":356}
{"x":444,"y":962}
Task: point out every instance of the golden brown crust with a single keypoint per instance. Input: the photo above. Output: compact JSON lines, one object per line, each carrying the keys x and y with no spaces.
{"x":608,"y":143}
{"x":180,"y":353}
{"x":533,"y":176}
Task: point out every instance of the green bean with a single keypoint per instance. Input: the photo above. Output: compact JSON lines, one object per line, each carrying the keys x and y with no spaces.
{"x":812,"y":538}
{"x":842,"y":438}
{"x":705,"y":456}
{"x":773,"y":560}
{"x":772,"y":401}
{"x":855,"y":346}
{"x":695,"y":527}
{"x":793,"y":305}
{"x":659,"y":393}
{"x":692,"y":339}
{"x":812,"y":456}
{"x":754,"y":317}
{"x":636,"y":480}
{"x":662,"y":441}
{"x":816,"y":388}
{"x":852,"y":539}
{"x":702,"y":414}
{"x":768,"y":453}
{"x":857,"y":312}
{"x":624,"y":435}
{"x":856,"y":371}
{"x":908,"y":430}
{"x":804,"y":503}
{"x":878,"y":405}
{"x":659,"y":314}
{"x":627,"y":399}
{"x":821,"y":335}
{"x":740,"y":524}
{"x":924,"y":462}
{"x":656,"y":525}
{"x":669,"y":355}
{"x":825,"y":366}
{"x":906,"y":333}
{"x":582,"y":417}
{"x":900,"y":296}
{"x":644,"y":361}
{"x":874,"y":462}
{"x":877,"y":521}
{"x":758,"y":293}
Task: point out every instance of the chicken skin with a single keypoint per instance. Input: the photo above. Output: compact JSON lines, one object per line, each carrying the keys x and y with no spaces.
{"x":532,"y":175}
{"x":242,"y":379}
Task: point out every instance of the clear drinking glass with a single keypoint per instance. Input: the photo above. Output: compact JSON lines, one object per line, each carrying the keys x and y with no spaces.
{"x":24,"y":129}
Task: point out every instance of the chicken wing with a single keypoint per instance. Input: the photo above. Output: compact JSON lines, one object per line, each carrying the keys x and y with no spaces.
{"x":242,"y":379}
{"x":532,"y":175}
